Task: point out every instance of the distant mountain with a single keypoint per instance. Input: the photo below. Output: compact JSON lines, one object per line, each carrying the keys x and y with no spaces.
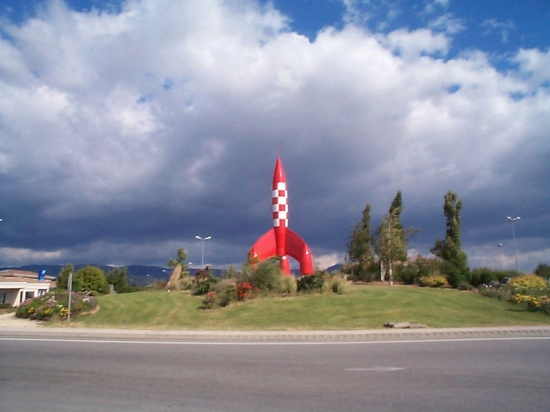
{"x":335,"y":268}
{"x":138,"y":275}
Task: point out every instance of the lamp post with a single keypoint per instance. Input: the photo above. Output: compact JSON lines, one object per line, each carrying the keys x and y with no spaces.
{"x":512,"y":220}
{"x":500,"y":256}
{"x":202,"y":247}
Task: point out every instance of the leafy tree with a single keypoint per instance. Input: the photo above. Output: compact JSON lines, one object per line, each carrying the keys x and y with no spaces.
{"x":391,"y":239}
{"x":455,"y":265}
{"x":543,"y":270}
{"x":360,"y":249}
{"x":63,"y":276}
{"x":91,"y":279}
{"x":399,"y":250}
{"x":118,"y":277}
{"x":180,"y":261}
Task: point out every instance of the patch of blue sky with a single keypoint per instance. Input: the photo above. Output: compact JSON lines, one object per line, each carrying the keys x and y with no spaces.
{"x":308,"y":17}
{"x":144,"y":98}
{"x":454,"y":88}
{"x":111,"y":6}
{"x":168,"y":84}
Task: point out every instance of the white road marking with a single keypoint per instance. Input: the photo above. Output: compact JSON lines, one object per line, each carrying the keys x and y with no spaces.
{"x":376,"y":369}
{"x":231,"y":343}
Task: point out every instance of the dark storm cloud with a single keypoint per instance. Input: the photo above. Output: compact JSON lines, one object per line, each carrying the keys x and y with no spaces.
{"x":125,"y":134}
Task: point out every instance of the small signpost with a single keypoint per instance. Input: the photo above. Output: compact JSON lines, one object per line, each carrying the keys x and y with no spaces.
{"x":70,"y":290}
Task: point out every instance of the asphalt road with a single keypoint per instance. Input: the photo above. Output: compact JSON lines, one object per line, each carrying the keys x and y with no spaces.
{"x":71,"y":373}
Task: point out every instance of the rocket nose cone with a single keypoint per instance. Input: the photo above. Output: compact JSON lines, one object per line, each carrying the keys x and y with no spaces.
{"x":279,"y":173}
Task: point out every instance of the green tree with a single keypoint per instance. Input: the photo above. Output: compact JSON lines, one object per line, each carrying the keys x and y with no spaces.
{"x":184,"y":282}
{"x":391,"y":239}
{"x":360,"y":249}
{"x":543,"y":270}
{"x":91,"y":279}
{"x":180,"y":261}
{"x":63,"y":276}
{"x":400,"y":235}
{"x":455,"y":265}
{"x":118,"y":277}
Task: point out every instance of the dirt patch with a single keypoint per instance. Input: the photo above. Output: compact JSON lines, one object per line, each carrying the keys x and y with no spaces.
{"x":9,"y":320}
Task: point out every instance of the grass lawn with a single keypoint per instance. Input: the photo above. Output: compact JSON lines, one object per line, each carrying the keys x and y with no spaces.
{"x":365,"y":307}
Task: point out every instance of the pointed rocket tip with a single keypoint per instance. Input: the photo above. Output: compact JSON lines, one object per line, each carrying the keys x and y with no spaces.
{"x":279,"y":173}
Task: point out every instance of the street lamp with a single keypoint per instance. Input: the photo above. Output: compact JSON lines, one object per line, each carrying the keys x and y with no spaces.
{"x":202,"y":244}
{"x":499,"y":257}
{"x":512,"y":220}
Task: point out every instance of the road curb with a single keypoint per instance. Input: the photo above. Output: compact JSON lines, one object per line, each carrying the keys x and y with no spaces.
{"x":277,"y":336}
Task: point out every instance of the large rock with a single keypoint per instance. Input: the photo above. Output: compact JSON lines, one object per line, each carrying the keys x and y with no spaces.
{"x":173,"y":282}
{"x":404,"y":325}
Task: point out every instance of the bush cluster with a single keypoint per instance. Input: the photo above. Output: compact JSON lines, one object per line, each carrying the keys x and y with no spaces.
{"x":530,"y":291}
{"x":266,"y":278}
{"x":433,"y":281}
{"x":527,"y":281}
{"x":55,"y":304}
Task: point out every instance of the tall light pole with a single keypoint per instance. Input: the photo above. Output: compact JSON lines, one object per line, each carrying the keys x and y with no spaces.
{"x":512,"y":220}
{"x":499,"y":257}
{"x":202,"y":245}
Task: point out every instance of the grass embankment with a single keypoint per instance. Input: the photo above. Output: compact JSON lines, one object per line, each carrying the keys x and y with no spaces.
{"x":366,"y":307}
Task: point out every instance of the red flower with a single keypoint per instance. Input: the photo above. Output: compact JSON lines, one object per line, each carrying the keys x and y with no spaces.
{"x":243,"y":290}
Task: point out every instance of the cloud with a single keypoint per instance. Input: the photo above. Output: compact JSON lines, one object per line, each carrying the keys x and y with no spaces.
{"x":502,"y":27}
{"x":123,"y":134}
{"x":448,"y":23}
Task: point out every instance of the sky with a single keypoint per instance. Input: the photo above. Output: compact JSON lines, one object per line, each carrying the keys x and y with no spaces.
{"x":127,"y":128}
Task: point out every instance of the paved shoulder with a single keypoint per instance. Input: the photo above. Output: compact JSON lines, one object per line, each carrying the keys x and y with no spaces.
{"x":17,"y":331}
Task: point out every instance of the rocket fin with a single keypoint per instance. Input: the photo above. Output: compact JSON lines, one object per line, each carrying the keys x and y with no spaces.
{"x":265,"y":247}
{"x":299,"y":250}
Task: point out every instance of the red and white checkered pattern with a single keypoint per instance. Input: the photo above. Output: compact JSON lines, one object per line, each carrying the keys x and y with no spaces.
{"x":279,"y":205}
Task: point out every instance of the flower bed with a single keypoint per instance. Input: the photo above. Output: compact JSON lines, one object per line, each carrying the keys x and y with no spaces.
{"x":55,"y":304}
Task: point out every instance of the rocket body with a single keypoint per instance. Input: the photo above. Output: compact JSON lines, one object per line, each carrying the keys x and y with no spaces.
{"x":279,"y":208}
{"x":280,"y":241}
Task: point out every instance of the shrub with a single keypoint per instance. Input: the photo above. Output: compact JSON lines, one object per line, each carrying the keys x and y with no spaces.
{"x":456,"y":272}
{"x":339,"y":284}
{"x":464,"y":286}
{"x":532,"y":301}
{"x":482,"y":276}
{"x":311,"y":283}
{"x":365,"y":272}
{"x":545,"y":305}
{"x":289,"y":286}
{"x":226,"y":291}
{"x":433,"y":281}
{"x":497,"y":292}
{"x":204,"y":282}
{"x":527,"y":281}
{"x":268,"y":276}
{"x":228,"y":295}
{"x":185,"y":282}
{"x":209,"y":300}
{"x":408,"y":274}
{"x":244,"y":290}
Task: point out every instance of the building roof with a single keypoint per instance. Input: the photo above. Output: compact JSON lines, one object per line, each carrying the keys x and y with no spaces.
{"x":15,"y":275}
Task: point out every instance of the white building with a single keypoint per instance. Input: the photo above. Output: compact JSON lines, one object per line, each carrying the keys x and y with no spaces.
{"x":18,"y":285}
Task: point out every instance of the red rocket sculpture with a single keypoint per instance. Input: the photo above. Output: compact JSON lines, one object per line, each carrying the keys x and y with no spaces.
{"x":281,"y":241}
